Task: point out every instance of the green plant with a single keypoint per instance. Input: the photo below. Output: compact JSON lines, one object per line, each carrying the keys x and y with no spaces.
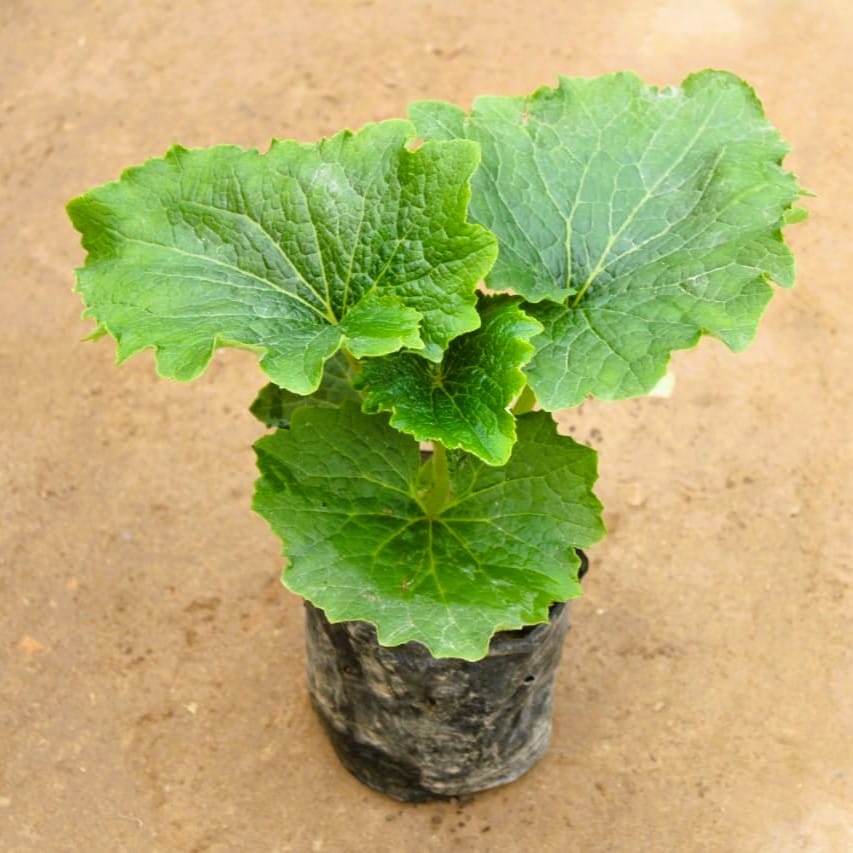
{"x":619,"y":222}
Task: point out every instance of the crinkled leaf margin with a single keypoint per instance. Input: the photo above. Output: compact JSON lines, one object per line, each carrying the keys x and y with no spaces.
{"x":274,"y":406}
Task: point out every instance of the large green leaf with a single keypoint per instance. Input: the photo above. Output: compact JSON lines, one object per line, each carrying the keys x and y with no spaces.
{"x":341,"y":490}
{"x":639,"y":218}
{"x":461,"y":402}
{"x":355,"y":240}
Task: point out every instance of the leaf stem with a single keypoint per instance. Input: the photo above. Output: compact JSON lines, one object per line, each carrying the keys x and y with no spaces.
{"x":436,"y":498}
{"x":352,"y":361}
{"x":525,"y":402}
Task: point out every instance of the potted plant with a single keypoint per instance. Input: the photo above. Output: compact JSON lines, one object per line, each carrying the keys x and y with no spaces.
{"x":432,"y":515}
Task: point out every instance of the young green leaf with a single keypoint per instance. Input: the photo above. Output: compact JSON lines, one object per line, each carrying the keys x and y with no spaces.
{"x":461,"y":402}
{"x":274,"y":406}
{"x":341,"y":489}
{"x":639,"y":218}
{"x":355,"y":241}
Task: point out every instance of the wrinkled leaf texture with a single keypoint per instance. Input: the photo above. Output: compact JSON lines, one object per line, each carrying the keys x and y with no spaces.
{"x":636,"y":218}
{"x":356,"y":241}
{"x":462,"y":401}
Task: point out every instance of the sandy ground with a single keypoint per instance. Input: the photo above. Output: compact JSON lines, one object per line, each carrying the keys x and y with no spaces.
{"x":151,"y":686}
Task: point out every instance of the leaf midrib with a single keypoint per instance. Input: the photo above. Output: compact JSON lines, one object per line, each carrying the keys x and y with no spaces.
{"x":603,"y":260}
{"x":225,"y":265}
{"x":330,"y":314}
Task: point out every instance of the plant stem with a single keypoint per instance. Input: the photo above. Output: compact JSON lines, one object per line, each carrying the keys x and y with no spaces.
{"x":525,"y":402}
{"x":436,"y":498}
{"x":352,"y":361}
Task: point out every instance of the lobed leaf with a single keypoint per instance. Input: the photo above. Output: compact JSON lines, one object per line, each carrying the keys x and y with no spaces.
{"x":354,"y":241}
{"x":461,"y":402}
{"x":340,"y":488}
{"x":638,"y":218}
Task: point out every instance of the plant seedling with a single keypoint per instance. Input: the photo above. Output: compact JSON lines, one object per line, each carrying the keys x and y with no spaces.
{"x":611,"y":222}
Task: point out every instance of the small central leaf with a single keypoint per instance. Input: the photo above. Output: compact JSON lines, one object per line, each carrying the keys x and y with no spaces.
{"x":340,"y":488}
{"x":355,"y":240}
{"x":463,"y":401}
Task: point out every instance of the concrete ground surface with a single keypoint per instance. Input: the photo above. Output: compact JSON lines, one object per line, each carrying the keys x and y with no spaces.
{"x":152,"y":695}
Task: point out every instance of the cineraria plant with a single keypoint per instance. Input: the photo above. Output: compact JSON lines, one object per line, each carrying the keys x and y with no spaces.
{"x":611,"y":223}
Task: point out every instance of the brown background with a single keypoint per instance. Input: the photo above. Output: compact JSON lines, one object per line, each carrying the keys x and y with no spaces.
{"x":151,"y":689}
